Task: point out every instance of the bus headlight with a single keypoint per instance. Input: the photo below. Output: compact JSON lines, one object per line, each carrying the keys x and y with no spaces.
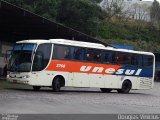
{"x":26,"y":76}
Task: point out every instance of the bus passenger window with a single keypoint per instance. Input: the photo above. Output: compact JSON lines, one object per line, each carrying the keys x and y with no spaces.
{"x":120,"y":58}
{"x":133,"y":59}
{"x":97,"y":56}
{"x":114,"y":57}
{"x":127,"y":59}
{"x":137,"y":60}
{"x":61,"y":52}
{"x":147,"y":61}
{"x":123,"y":58}
{"x":109,"y":57}
{"x":89,"y":55}
{"x":77,"y":53}
{"x":93,"y":55}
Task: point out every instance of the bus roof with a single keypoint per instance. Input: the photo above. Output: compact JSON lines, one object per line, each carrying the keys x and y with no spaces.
{"x":77,"y":43}
{"x":82,"y":44}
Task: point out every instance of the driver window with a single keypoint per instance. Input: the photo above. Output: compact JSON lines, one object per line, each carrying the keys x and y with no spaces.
{"x":42,"y":57}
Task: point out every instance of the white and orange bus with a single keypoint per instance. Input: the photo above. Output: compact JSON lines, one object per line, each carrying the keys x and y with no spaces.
{"x":58,"y":63}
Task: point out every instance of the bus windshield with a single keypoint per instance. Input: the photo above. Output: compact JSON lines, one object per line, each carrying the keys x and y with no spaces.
{"x":21,"y":57}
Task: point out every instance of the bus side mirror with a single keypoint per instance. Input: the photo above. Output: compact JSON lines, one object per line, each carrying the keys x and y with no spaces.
{"x":7,"y":56}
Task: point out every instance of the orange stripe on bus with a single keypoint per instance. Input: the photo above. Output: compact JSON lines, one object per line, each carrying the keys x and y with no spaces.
{"x":82,"y":67}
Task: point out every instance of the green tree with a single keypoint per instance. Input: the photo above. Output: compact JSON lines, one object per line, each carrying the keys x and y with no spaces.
{"x":16,"y":2}
{"x":154,"y":13}
{"x":83,"y":15}
{"x":45,"y":8}
{"x":97,"y":1}
{"x":113,"y":8}
{"x":86,"y":16}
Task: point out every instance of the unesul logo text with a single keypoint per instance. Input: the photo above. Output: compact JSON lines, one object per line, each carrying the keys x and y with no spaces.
{"x":110,"y":70}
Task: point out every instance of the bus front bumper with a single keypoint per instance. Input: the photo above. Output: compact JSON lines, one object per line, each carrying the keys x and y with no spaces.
{"x":18,"y":80}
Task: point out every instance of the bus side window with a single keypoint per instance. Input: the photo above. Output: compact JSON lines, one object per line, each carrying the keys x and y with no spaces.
{"x":147,"y":61}
{"x":120,"y":58}
{"x":133,"y":59}
{"x":126,"y":59}
{"x":109,"y":57}
{"x":93,"y":55}
{"x":97,"y":56}
{"x":66,"y":53}
{"x":114,"y":57}
{"x":89,"y":55}
{"x":123,"y":58}
{"x":77,"y":53}
{"x":137,"y":60}
{"x":61,"y":52}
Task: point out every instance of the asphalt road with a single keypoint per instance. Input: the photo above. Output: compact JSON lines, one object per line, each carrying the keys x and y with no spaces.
{"x":78,"y":101}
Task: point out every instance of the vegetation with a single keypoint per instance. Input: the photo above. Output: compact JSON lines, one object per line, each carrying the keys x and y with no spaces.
{"x":112,"y":24}
{"x":79,"y":14}
{"x":155,"y":16}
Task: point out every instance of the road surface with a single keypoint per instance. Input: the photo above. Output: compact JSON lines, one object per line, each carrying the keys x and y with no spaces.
{"x":78,"y":101}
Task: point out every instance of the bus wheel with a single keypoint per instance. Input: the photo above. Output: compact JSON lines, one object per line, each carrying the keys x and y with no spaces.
{"x":126,"y":87}
{"x":106,"y":90}
{"x":56,"y":84}
{"x":36,"y":88}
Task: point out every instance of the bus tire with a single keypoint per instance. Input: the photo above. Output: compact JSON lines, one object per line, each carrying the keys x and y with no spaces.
{"x":106,"y":90}
{"x":36,"y":88}
{"x":56,"y":84}
{"x":126,"y":87}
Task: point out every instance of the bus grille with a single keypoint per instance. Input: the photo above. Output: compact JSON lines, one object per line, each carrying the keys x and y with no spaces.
{"x":145,"y":83}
